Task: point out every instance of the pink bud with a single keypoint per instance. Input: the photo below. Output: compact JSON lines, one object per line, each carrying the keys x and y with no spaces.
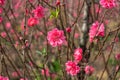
{"x":3,"y":34}
{"x":117,"y":56}
{"x":68,"y":29}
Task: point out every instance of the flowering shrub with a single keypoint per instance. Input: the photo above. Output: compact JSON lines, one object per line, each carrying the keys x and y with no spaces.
{"x":59,"y":39}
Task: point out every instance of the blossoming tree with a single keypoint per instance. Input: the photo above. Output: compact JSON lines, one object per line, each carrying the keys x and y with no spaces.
{"x":59,"y":40}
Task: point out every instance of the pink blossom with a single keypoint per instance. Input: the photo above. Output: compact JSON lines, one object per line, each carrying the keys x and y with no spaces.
{"x":56,"y":37}
{"x":72,"y":68}
{"x":39,"y":12}
{"x":68,"y":29}
{"x":8,"y":25}
{"x":57,"y":2}
{"x":117,"y":67}
{"x":3,"y":34}
{"x":108,"y":3}
{"x":14,"y":74}
{"x":17,"y":5}
{"x":1,"y":19}
{"x":4,"y":78}
{"x":1,"y":10}
{"x":23,"y":79}
{"x":32,"y":22}
{"x":117,"y":39}
{"x":46,"y":71}
{"x":100,"y":31}
{"x":12,"y":31}
{"x":89,"y":70}
{"x":96,"y":29}
{"x":2,"y":2}
{"x":31,"y":64}
{"x":16,"y":44}
{"x":117,"y":56}
{"x":76,"y":35}
{"x":78,"y":54}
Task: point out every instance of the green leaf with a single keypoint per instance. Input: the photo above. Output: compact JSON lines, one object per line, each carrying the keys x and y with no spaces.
{"x":54,"y":13}
{"x":38,"y":77}
{"x":57,"y":12}
{"x":44,"y":51}
{"x":38,"y":52}
{"x":55,"y":66}
{"x":112,"y":62}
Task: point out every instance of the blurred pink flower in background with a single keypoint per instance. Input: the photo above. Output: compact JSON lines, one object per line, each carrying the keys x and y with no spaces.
{"x":31,"y":64}
{"x":56,"y":37}
{"x":14,"y":74}
{"x":16,"y":44}
{"x":72,"y":68}
{"x":1,"y":10}
{"x":78,"y":54}
{"x":76,"y":35}
{"x":39,"y":12}
{"x":32,"y":22}
{"x":17,"y":5}
{"x":96,"y":29}
{"x":23,"y":79}
{"x":117,"y":39}
{"x":57,"y":2}
{"x":108,"y":3}
{"x":46,"y":71}
{"x":68,"y":29}
{"x":3,"y":34}
{"x":1,"y":19}
{"x":117,"y":56}
{"x":2,"y":2}
{"x":8,"y":25}
{"x":4,"y":78}
{"x":12,"y":31}
{"x":89,"y":70}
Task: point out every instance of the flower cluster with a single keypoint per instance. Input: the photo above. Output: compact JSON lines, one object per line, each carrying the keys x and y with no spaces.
{"x":78,"y":54}
{"x":32,"y":22}
{"x":108,"y":3}
{"x":39,"y":12}
{"x":72,"y":68}
{"x":89,"y":70}
{"x":96,"y":29}
{"x":45,"y":72}
{"x":4,"y":78}
{"x":56,"y":37}
{"x":3,"y":34}
{"x":2,"y":2}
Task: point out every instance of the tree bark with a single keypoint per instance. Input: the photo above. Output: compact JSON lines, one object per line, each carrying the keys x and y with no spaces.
{"x":84,"y":35}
